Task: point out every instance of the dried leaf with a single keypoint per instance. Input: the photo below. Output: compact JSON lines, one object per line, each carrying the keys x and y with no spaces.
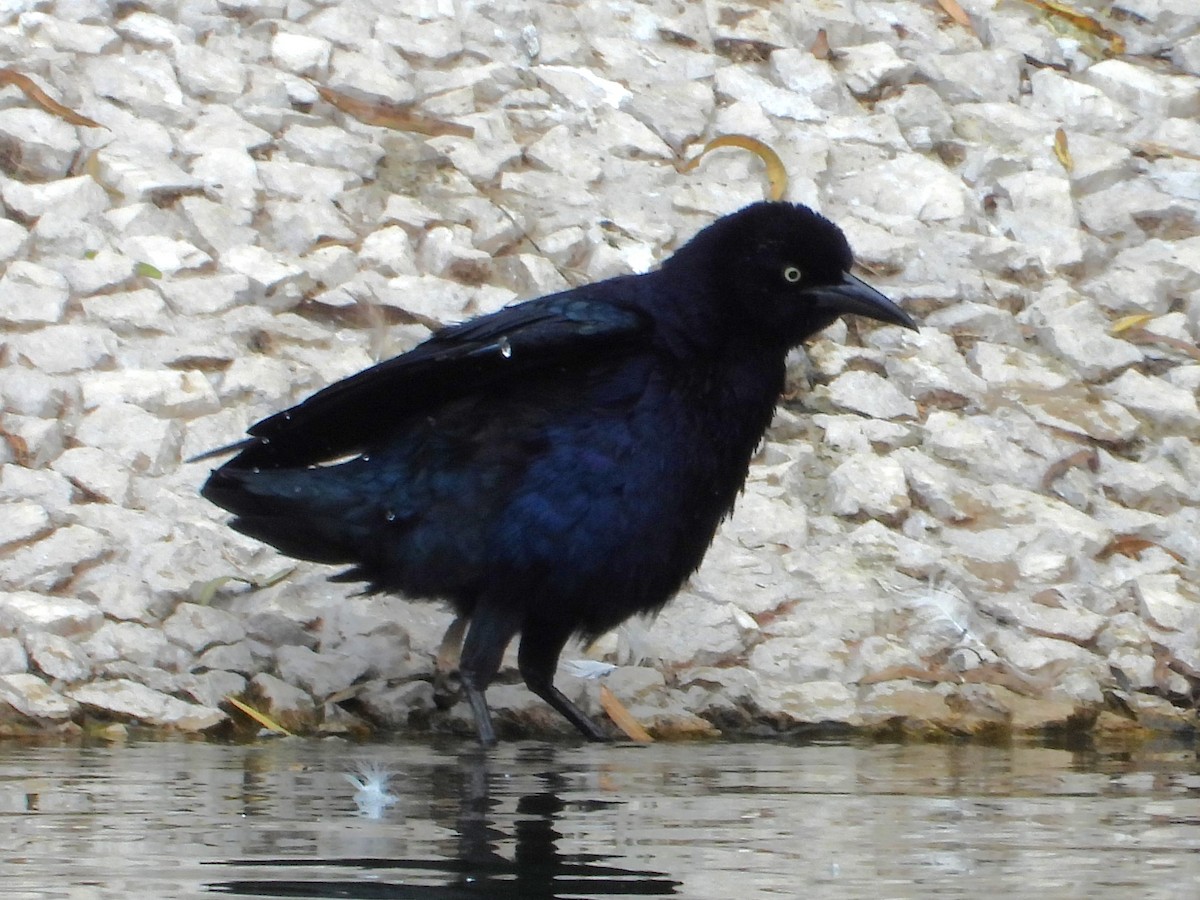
{"x":1126,"y":322}
{"x":1151,"y":150}
{"x":622,"y":717}
{"x":1082,"y":21}
{"x":1132,"y":546}
{"x":957,"y":13}
{"x":389,"y":115}
{"x":261,"y":718}
{"x":908,"y":673}
{"x":44,"y":100}
{"x":203,"y":591}
{"x":1142,"y":336}
{"x":820,"y":48}
{"x":776,"y":174}
{"x":1062,"y":151}
{"x":1081,"y":459}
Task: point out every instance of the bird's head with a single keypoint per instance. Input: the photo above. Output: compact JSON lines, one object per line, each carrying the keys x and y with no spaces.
{"x":787,"y":271}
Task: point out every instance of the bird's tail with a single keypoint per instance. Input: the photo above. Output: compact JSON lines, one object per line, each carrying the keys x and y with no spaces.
{"x":310,"y":514}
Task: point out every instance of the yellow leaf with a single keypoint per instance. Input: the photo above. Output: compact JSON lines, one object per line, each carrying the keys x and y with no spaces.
{"x":1062,"y":151}
{"x":1124,"y":323}
{"x":261,"y":718}
{"x":622,"y":717}
{"x":776,"y":174}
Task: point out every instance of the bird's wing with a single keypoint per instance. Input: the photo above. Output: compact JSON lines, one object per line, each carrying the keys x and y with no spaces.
{"x":568,"y":329}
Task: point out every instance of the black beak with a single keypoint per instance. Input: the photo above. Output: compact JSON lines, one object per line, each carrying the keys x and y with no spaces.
{"x":854,"y":295}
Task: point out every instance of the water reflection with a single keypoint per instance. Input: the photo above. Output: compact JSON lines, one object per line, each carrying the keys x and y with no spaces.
{"x":471,"y":863}
{"x":705,"y":821}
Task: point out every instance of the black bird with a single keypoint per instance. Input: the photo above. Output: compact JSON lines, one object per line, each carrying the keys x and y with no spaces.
{"x":557,"y":466}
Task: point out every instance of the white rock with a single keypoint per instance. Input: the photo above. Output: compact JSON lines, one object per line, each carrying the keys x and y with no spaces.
{"x":390,"y":251}
{"x":22,"y":522}
{"x":135,"y":643}
{"x":58,"y":657}
{"x":1043,"y":216}
{"x":49,"y":489}
{"x":211,"y":688}
{"x":1009,"y":367}
{"x":436,"y":40}
{"x":13,"y":239}
{"x":147,"y":28}
{"x":231,"y":174}
{"x":922,"y":115}
{"x":867,"y":68}
{"x":740,"y":83}
{"x":50,"y":562}
{"x":220,"y":127}
{"x":126,"y":311}
{"x":1075,"y":105}
{"x":321,"y":674}
{"x":408,"y":212}
{"x":196,"y":627}
{"x":332,"y":147}
{"x":206,"y":74}
{"x":63,"y":348}
{"x":1032,"y":653}
{"x":301,"y":54}
{"x":141,"y":176}
{"x":33,"y":201}
{"x":101,"y":475}
{"x":1154,"y":95}
{"x":1163,"y":602}
{"x":975,"y":76}
{"x":33,"y":440}
{"x":910,"y":186}
{"x":677,"y":111}
{"x":802,"y":73}
{"x":281,"y":698}
{"x":1186,"y":54}
{"x":379,"y":73}
{"x":868,"y":484}
{"x":165,"y":393}
{"x":1079,"y":412}
{"x":128,"y":698}
{"x":30,"y":696}
{"x":1156,"y":399}
{"x":12,"y":656}
{"x":816,"y":701}
{"x":31,"y":294}
{"x":31,"y":612}
{"x":144,"y":83}
{"x":73,"y":37}
{"x":48,"y":144}
{"x":581,"y":88}
{"x":446,"y":250}
{"x":1079,"y":335}
{"x":871,"y":395}
{"x":146,"y":442}
{"x":1153,"y":483}
{"x":261,"y":266}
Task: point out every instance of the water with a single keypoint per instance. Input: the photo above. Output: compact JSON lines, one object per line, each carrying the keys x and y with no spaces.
{"x":535,"y":820}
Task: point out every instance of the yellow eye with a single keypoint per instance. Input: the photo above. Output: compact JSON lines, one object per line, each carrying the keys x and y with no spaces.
{"x":791,"y":274}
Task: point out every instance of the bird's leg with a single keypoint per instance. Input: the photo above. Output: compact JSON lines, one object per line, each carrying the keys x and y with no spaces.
{"x":490,"y":631}
{"x":537,"y":660}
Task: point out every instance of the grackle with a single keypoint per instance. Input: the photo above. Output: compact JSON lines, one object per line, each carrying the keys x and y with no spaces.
{"x":555,"y":467}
